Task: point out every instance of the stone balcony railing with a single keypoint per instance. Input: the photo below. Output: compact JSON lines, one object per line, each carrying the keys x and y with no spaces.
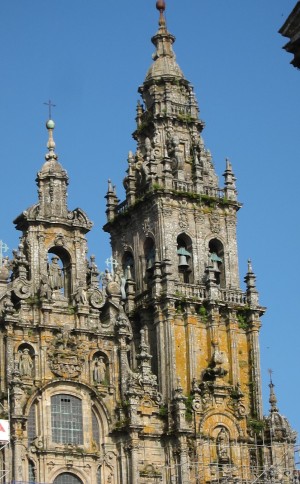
{"x":180,"y":186}
{"x":196,"y":293}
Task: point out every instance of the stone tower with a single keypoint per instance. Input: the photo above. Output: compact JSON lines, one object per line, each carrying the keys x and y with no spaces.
{"x":152,"y":373}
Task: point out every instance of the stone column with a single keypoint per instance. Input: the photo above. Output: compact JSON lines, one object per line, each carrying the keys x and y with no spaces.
{"x":255,"y":364}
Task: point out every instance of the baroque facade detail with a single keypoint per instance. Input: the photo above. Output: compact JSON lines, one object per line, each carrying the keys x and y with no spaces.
{"x":149,"y":372}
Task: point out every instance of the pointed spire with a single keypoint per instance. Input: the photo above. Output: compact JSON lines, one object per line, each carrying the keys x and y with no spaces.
{"x":164,"y":57}
{"x":272,"y":399}
{"x":250,"y":280}
{"x":229,"y":181}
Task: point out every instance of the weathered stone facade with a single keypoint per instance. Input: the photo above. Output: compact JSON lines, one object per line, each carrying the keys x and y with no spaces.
{"x":153,"y":375}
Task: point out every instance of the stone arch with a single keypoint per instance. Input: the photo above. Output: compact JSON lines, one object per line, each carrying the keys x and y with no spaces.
{"x":217,"y":257}
{"x":213,"y":420}
{"x":60,"y":271}
{"x":185,"y":258}
{"x":68,"y":478}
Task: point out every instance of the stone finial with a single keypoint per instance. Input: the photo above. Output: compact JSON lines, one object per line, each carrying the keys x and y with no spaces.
{"x":250,"y":277}
{"x":50,"y":125}
{"x":161,"y":7}
{"x":110,"y":187}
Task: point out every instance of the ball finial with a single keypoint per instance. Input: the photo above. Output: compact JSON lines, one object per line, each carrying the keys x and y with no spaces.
{"x":161,"y":5}
{"x":50,"y":124}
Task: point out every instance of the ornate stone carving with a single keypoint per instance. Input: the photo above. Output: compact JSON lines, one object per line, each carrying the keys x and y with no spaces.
{"x":97,"y":299}
{"x":22,"y":289}
{"x":147,"y":226}
{"x":66,"y":355}
{"x":215,"y":222}
{"x":59,"y":240}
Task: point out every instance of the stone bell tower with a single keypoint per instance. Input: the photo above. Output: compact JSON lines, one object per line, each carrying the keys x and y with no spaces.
{"x":174,"y":236}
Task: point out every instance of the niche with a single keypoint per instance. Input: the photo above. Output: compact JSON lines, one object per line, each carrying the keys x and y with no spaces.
{"x":100,"y":371}
{"x":24,"y":362}
{"x":59,"y":272}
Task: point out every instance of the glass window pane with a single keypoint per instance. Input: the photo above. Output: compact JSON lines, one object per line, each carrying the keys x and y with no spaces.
{"x":31,"y":426}
{"x":95,"y":424}
{"x":66,"y":419}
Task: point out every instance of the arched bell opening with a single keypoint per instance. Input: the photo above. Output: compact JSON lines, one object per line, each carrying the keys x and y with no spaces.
{"x":216,"y":254}
{"x":185,"y":258}
{"x":149,"y":258}
{"x":128,"y":265}
{"x":60,"y":272}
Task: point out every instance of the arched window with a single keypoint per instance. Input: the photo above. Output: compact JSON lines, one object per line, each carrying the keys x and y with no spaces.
{"x":31,"y":472}
{"x":66,"y":420}
{"x":96,"y":430}
{"x":67,"y":478}
{"x":31,"y":424}
{"x":185,"y":263}
{"x":216,"y":254}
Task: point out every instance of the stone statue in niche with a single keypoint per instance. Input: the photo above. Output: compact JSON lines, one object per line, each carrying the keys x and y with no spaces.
{"x":25,"y":364}
{"x":55,"y":274}
{"x":223,"y":446}
{"x":99,"y":372}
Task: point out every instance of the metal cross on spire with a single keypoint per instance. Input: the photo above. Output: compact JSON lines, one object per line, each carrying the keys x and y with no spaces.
{"x":111,"y":262}
{"x":270,"y":371}
{"x":50,"y":105}
{"x":3,"y":248}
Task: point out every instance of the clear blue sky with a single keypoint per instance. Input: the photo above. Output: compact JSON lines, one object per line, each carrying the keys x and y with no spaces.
{"x":89,"y":57}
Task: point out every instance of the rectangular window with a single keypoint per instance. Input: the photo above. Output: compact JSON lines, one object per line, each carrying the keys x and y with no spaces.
{"x":66,"y":420}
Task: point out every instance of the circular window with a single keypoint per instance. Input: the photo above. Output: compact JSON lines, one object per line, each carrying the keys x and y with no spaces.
{"x":67,"y":478}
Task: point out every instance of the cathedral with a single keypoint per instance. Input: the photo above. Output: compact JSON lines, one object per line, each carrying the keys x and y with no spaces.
{"x":150,"y":371}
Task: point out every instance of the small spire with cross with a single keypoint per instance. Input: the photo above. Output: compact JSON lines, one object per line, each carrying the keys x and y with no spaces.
{"x":3,"y":248}
{"x":272,"y":399}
